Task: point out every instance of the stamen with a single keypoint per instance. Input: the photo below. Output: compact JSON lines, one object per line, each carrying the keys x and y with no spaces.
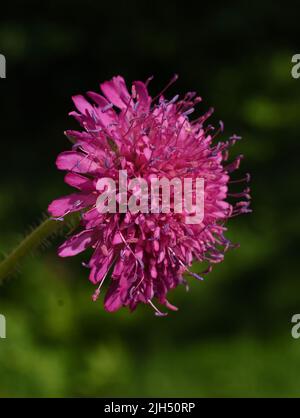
{"x":157,"y":311}
{"x":98,"y":290}
{"x":188,"y":112}
{"x":234,"y":165}
{"x":94,"y":131}
{"x":148,"y":80}
{"x":204,"y":117}
{"x":61,"y":218}
{"x":244,"y":204}
{"x":96,"y":295}
{"x":185,"y":267}
{"x":129,"y":248}
{"x":76,"y":147}
{"x":174,"y":100}
{"x":235,"y":137}
{"x":208,"y":270}
{"x":129,"y":102}
{"x":195,"y":275}
{"x":107,"y":107}
{"x":133,"y":91}
{"x":190,"y":95}
{"x":245,"y":179}
{"x":78,"y":162}
{"x":94,"y":117}
{"x":135,"y":288}
{"x":221,"y":129}
{"x":244,"y":194}
{"x":172,"y":81}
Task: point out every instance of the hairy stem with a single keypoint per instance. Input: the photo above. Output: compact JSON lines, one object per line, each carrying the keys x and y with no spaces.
{"x":45,"y":230}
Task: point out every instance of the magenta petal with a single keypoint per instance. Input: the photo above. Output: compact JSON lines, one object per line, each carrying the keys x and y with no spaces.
{"x":170,"y":306}
{"x":112,"y":301}
{"x":77,"y":116}
{"x":105,"y":116}
{"x":82,"y":104}
{"x":76,"y":244}
{"x":143,"y":97}
{"x":70,"y":203}
{"x":100,"y":100}
{"x":116,"y":92}
{"x":75,"y":161}
{"x":91,"y":215}
{"x":117,"y":239}
{"x":60,"y":206}
{"x":119,"y":268}
{"x":100,"y":267}
{"x":78,"y":181}
{"x":76,"y":135}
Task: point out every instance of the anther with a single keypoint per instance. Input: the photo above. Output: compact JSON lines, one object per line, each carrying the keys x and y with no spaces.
{"x":157,"y":311}
{"x":107,"y":107}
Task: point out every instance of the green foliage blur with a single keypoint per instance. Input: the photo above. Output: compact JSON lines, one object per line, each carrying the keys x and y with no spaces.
{"x":232,"y":334}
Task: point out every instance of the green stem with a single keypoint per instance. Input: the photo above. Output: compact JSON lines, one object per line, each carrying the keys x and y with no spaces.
{"x":46,"y":229}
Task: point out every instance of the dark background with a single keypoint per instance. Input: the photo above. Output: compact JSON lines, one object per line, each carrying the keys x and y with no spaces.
{"x":232,"y":335}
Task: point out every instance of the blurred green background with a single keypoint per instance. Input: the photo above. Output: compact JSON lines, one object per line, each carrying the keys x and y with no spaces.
{"x":232,"y":335}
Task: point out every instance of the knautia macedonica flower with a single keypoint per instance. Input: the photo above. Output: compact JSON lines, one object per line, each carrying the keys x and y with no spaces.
{"x":143,"y":254}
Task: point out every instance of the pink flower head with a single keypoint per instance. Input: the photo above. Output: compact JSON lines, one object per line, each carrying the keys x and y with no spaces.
{"x":145,"y":254}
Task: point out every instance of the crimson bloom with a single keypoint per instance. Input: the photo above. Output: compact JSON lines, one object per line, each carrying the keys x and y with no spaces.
{"x":145,"y":254}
